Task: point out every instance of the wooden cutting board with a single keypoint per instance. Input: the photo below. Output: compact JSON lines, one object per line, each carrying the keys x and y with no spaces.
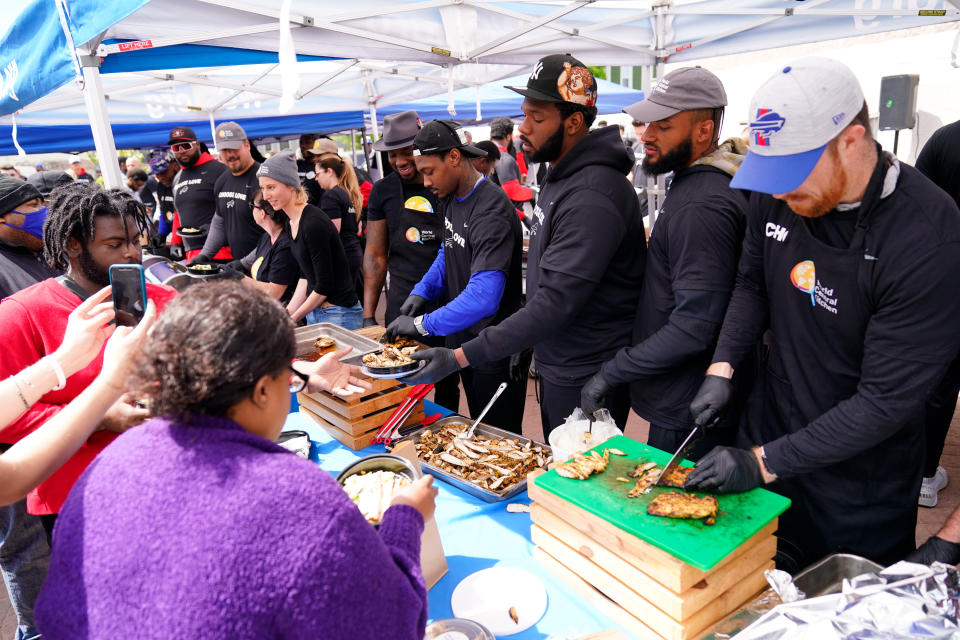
{"x":740,"y":517}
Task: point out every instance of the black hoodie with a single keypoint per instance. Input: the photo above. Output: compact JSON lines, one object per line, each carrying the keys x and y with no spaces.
{"x":585,"y":267}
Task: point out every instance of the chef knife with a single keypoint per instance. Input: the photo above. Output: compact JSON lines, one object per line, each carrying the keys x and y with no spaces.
{"x":691,"y":439}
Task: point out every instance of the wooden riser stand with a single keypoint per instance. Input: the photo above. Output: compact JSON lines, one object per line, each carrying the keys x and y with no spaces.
{"x":644,"y":588}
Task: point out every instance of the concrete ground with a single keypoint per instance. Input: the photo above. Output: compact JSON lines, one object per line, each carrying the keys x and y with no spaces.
{"x":928,"y":520}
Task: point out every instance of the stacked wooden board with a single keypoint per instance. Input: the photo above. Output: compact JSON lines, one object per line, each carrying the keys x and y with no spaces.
{"x":355,"y":420}
{"x":660,"y":578}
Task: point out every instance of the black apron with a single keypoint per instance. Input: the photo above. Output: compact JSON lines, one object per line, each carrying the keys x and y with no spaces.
{"x":820,"y":303}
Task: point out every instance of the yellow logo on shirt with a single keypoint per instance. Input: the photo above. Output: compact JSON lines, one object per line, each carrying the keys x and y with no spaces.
{"x":418,"y":203}
{"x":256,"y":267}
{"x":804,"y":277}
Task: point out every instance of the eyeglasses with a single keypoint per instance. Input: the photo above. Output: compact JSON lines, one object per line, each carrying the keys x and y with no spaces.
{"x":180,"y":147}
{"x":298,"y":381}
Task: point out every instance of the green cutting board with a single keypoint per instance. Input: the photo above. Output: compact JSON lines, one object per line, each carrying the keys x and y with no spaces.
{"x":741,"y":515}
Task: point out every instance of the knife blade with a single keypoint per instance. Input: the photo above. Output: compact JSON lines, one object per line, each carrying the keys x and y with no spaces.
{"x":692,"y":438}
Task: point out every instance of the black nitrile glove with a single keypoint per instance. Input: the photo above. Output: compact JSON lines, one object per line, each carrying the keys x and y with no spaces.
{"x":401,"y":326}
{"x":369,"y":322}
{"x":176,"y":252}
{"x":593,"y":395}
{"x":726,"y":470}
{"x":441,"y":362}
{"x":936,"y":549}
{"x":228,"y":271}
{"x":200,"y":259}
{"x":237,"y":265}
{"x":519,"y":366}
{"x":413,"y":306}
{"x":711,"y":400}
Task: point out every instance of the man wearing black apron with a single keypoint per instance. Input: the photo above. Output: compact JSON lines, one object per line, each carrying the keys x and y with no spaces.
{"x":851,"y":265}
{"x":404,"y":235}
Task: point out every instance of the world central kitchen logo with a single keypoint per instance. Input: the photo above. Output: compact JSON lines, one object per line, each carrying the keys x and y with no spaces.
{"x":803,"y":276}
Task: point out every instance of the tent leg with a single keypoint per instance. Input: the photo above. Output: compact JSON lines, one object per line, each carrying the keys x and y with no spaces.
{"x":100,"y":125}
{"x":213,"y":132}
{"x":376,"y":134}
{"x":353,"y":146}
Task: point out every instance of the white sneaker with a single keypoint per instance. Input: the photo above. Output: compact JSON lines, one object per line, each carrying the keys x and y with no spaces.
{"x":930,"y":487}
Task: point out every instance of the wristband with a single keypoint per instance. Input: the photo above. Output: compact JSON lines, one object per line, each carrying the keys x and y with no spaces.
{"x":58,"y":370}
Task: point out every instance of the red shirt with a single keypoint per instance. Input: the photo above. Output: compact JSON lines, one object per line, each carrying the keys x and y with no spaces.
{"x":32,"y":324}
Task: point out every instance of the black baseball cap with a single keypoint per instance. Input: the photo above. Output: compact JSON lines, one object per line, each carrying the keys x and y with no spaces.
{"x":438,"y":136}
{"x":560,"y":78}
{"x":182,"y":134}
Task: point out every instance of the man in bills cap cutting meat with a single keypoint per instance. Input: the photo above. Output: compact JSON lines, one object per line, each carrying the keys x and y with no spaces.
{"x":849,"y":261}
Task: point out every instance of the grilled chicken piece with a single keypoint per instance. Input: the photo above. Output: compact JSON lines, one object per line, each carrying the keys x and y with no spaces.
{"x":676,"y":477}
{"x":685,"y":506}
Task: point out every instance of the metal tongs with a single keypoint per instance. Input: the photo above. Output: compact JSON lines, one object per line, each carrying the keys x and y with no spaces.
{"x":473,"y":427}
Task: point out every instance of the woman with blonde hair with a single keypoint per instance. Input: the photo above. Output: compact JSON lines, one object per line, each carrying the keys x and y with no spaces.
{"x":325,"y":291}
{"x":342,"y":202}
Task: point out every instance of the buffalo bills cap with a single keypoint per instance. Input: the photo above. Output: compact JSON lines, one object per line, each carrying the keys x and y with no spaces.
{"x":793,"y":116}
{"x":680,"y":90}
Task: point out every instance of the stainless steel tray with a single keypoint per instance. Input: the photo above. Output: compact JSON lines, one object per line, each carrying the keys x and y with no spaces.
{"x":305,"y":337}
{"x":478,"y":492}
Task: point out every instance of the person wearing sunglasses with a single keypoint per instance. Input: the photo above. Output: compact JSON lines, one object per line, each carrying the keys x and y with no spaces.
{"x":198,"y":511}
{"x":194,"y":196}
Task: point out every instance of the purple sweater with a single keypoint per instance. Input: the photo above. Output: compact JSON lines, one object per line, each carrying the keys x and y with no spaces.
{"x":211,"y":532}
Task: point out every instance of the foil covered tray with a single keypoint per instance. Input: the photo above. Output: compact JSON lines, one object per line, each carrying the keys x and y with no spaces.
{"x":305,"y":337}
{"x":468,"y":487}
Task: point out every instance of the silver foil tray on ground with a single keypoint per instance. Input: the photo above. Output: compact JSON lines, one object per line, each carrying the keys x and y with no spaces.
{"x":305,"y":337}
{"x":468,"y":487}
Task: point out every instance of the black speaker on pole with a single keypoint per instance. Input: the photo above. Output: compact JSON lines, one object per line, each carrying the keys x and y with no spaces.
{"x":898,"y":102}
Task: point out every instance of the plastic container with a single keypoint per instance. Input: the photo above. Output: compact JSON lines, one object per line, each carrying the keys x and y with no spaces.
{"x":457,"y":629}
{"x":571,"y":437}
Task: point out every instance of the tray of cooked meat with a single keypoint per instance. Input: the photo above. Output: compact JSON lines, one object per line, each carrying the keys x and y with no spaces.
{"x":492,"y":465}
{"x":316,"y":340}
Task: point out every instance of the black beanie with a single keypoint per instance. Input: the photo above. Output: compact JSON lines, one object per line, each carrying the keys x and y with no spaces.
{"x":14,"y":192}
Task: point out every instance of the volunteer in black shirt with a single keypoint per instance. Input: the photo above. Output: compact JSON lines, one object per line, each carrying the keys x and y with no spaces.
{"x":404,"y":235}
{"x":164,"y":169}
{"x":325,"y":291}
{"x":342,"y":202}
{"x":274,"y":270}
{"x":691,"y":260}
{"x":477,"y":272}
{"x":233,"y":224}
{"x":587,"y":249}
{"x":851,"y":267}
{"x":193,"y":191}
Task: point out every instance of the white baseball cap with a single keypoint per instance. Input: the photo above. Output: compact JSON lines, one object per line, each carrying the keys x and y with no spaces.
{"x":793,"y":116}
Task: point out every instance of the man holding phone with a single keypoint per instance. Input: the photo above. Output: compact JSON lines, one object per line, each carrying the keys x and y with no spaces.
{"x":87,"y":230}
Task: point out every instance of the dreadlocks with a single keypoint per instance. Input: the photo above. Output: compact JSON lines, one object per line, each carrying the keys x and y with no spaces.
{"x":73,"y":209}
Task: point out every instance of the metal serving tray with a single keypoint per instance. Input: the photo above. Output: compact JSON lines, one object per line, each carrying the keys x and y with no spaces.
{"x":306,"y":336}
{"x":827,"y":576}
{"x":478,"y":492}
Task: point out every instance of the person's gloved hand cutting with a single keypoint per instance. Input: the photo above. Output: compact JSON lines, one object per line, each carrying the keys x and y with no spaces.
{"x":401,"y":326}
{"x":936,"y":549}
{"x":593,"y":395}
{"x":726,"y":470}
{"x":711,"y":400}
{"x":441,"y":362}
{"x":413,"y":306}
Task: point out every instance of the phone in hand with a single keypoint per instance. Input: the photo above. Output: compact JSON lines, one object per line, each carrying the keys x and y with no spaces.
{"x":129,"y":293}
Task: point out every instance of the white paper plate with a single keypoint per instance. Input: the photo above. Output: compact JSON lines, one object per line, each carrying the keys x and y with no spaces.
{"x":370,"y":374}
{"x":486,"y":597}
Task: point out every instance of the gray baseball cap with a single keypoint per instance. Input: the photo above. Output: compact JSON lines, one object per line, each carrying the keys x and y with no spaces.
{"x":230,"y":135}
{"x":680,"y":90}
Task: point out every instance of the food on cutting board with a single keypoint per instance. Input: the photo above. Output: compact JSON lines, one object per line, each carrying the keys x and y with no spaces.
{"x":389,"y":357}
{"x":373,"y":491}
{"x":646,"y":475}
{"x":676,"y":477}
{"x":490,"y":463}
{"x":581,"y":466}
{"x":685,"y":506}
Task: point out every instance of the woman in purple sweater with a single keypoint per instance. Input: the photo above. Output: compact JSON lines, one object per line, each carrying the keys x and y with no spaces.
{"x":196,"y":525}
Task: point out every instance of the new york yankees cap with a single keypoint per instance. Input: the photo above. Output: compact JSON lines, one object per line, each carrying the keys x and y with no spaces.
{"x":560,"y":78}
{"x":793,"y":116}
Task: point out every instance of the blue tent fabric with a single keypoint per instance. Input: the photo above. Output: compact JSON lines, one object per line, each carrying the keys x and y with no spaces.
{"x":496,"y":100}
{"x":35,"y":57}
{"x":182,"y":56}
{"x":155,"y":134}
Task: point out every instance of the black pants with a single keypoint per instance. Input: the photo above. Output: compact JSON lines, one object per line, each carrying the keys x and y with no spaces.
{"x":669,"y":440}
{"x":940,"y":408}
{"x":558,"y":401}
{"x":481,"y":383}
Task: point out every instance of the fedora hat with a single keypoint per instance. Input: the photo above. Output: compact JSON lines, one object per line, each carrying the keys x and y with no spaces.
{"x":399,"y":130}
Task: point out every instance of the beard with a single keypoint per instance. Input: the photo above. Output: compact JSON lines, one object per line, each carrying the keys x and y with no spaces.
{"x":677,"y":158}
{"x":822,"y":204}
{"x":550,"y":150}
{"x":93,"y":271}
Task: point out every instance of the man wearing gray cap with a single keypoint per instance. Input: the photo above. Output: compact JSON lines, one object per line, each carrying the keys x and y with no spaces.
{"x":233,"y":224}
{"x":691,"y":259}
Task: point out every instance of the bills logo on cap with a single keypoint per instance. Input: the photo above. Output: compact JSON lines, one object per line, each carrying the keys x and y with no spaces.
{"x":765,"y":125}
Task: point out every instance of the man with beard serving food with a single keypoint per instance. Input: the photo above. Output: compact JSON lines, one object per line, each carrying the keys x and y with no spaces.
{"x":477,"y":272}
{"x":692,"y":259}
{"x":587,"y":249}
{"x":851,"y":264}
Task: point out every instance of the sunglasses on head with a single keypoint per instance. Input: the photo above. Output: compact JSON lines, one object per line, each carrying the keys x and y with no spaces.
{"x":180,"y":147}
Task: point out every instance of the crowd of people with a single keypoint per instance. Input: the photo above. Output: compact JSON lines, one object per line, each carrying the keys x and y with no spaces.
{"x":793,"y":301}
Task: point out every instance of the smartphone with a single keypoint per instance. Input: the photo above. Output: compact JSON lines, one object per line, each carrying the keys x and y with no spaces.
{"x":129,"y":293}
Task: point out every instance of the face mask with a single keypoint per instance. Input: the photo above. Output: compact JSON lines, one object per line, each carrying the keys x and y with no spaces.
{"x":32,"y":223}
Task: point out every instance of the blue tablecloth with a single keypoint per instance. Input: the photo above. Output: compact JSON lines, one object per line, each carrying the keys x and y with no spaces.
{"x":476,"y":535}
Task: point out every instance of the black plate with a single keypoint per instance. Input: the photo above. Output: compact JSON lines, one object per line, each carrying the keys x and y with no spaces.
{"x":213,"y":270}
{"x":410,"y":366}
{"x":191,"y":234}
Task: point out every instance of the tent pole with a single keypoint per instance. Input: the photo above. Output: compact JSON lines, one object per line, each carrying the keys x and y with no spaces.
{"x":100,"y":123}
{"x":353,"y":146}
{"x":213,"y":132}
{"x":376,"y":134}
